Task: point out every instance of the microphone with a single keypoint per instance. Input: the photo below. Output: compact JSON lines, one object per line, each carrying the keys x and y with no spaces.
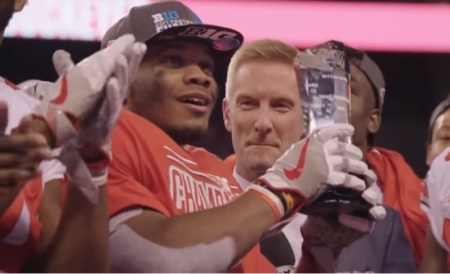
{"x":277,"y":249}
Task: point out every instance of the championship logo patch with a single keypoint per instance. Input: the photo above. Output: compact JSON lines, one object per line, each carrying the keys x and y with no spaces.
{"x":169,"y":19}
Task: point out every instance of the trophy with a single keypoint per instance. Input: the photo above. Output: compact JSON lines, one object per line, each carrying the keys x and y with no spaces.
{"x":324,"y":85}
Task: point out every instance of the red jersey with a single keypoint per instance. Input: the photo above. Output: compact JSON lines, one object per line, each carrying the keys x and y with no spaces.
{"x":20,"y":228}
{"x":19,"y":225}
{"x":151,"y":170}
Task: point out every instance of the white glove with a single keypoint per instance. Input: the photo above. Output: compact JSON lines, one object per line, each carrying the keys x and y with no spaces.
{"x":95,"y":131}
{"x":79,"y":90}
{"x":89,"y":176}
{"x":94,"y":136}
{"x":62,"y":61}
{"x":43,"y":90}
{"x":310,"y":167}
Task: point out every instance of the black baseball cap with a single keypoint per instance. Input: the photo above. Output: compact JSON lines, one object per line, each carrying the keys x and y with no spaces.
{"x":371,"y":70}
{"x":172,"y":20}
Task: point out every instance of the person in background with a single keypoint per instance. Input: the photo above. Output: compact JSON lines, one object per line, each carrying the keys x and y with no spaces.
{"x":175,"y":207}
{"x":29,"y":240}
{"x":262,"y":111}
{"x":437,"y":182}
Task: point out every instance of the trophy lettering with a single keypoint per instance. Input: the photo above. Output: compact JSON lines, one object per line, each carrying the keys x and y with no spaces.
{"x":324,"y":86}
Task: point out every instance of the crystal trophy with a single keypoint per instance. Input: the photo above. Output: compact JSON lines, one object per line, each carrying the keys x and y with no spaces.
{"x":324,"y":85}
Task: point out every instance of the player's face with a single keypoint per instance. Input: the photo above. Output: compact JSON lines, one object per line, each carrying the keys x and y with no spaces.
{"x":364,"y":114}
{"x":440,"y":139}
{"x":263,"y":114}
{"x":175,"y":89}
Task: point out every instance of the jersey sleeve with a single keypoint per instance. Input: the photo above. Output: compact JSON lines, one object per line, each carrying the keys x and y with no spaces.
{"x":438,"y":184}
{"x":125,"y":187}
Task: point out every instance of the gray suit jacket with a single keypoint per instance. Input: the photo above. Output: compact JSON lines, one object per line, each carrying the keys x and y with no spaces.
{"x":386,"y":249}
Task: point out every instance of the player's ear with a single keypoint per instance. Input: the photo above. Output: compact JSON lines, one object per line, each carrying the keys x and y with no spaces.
{"x":374,"y":121}
{"x":226,"y":114}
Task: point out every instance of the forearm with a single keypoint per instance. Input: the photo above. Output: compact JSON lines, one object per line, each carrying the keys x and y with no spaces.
{"x":245,"y":220}
{"x":435,"y":257}
{"x":80,"y":243}
{"x":49,"y":213}
{"x":431,"y":266}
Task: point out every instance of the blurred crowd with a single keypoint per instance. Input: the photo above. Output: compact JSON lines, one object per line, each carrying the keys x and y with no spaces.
{"x":99,"y":171}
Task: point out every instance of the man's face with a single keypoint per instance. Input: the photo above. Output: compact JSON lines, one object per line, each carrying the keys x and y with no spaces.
{"x":365,"y":117}
{"x":440,"y":138}
{"x":175,"y":89}
{"x":263,"y":114}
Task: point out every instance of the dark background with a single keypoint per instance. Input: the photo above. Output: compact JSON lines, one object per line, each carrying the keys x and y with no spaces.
{"x":415,"y":83}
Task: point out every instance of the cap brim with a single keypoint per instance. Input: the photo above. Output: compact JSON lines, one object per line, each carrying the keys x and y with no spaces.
{"x":222,"y":41}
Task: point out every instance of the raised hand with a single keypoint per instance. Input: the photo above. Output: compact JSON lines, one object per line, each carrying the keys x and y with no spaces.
{"x":79,"y":90}
{"x":20,"y":156}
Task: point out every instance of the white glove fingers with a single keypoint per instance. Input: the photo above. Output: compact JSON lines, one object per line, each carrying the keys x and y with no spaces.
{"x":118,"y":47}
{"x":348,"y":165}
{"x":378,"y":213}
{"x":107,"y":63}
{"x":370,"y":195}
{"x":370,"y":177}
{"x":28,"y":84}
{"x":344,"y":179}
{"x":114,"y":98}
{"x":334,"y":131}
{"x":62,"y":61}
{"x":353,"y":166}
{"x":135,"y":57}
{"x":353,"y":151}
{"x":120,"y":72}
{"x":359,"y":224}
{"x":334,"y":147}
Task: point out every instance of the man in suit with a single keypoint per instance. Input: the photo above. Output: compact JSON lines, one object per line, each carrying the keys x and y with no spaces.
{"x":262,"y":111}
{"x":385,"y":250}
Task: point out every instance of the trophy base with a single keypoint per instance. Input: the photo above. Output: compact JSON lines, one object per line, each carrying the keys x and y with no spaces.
{"x":336,"y":201}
